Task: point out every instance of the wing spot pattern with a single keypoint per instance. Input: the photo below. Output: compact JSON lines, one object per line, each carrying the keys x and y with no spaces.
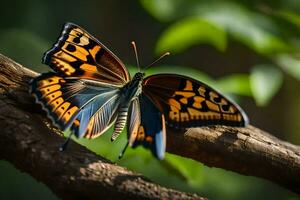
{"x":199,"y":103}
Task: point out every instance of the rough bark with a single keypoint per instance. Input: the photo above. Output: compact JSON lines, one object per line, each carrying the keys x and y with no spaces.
{"x":249,"y":151}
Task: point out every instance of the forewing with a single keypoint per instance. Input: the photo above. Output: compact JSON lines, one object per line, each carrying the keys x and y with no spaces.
{"x":186,"y":102}
{"x":79,"y":54}
{"x":151,"y":132}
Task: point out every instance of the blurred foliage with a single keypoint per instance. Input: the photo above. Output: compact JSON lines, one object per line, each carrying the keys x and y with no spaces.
{"x":260,"y":25}
{"x":13,"y":185}
{"x":190,"y":32}
{"x":269,"y":28}
{"x":15,"y":42}
{"x":265,"y":82}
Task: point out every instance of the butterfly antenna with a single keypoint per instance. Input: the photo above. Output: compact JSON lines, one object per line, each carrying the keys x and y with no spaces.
{"x":123,"y":151}
{"x":158,"y":59}
{"x":136,"y":55}
{"x":65,"y":144}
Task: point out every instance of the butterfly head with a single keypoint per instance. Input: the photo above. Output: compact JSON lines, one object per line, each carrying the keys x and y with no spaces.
{"x":139,"y":76}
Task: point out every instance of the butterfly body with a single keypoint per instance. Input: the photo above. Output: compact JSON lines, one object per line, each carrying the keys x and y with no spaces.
{"x":130,"y":91}
{"x":90,"y":90}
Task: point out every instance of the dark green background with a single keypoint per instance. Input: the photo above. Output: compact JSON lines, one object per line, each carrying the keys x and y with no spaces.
{"x":237,"y":65}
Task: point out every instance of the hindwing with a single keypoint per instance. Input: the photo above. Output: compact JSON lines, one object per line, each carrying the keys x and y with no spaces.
{"x":87,"y":105}
{"x":147,"y":126}
{"x":186,"y":102}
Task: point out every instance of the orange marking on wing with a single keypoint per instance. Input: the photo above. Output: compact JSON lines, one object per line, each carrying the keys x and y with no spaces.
{"x":198,"y":99}
{"x":75,"y":31}
{"x":239,"y":117}
{"x":197,"y":105}
{"x":54,"y":104}
{"x":174,"y":103}
{"x":212,"y":106}
{"x":88,"y":67}
{"x":149,"y":139}
{"x":80,"y":52}
{"x":95,"y":50}
{"x":197,"y":102}
{"x":174,"y":114}
{"x":69,"y":113}
{"x":133,"y":134}
{"x":201,"y":91}
{"x":83,"y":40}
{"x":189,"y":86}
{"x":223,"y":101}
{"x":62,"y":109}
{"x":141,"y":133}
{"x":185,"y":94}
{"x":228,"y":117}
{"x":88,"y":133}
{"x":183,"y":100}
{"x":184,"y":116}
{"x":50,"y":97}
{"x":76,"y":122}
{"x":213,"y":95}
{"x":234,"y":117}
{"x":64,"y":56}
{"x":49,"y":81}
{"x":196,"y":114}
{"x":63,"y":66}
{"x":49,"y":89}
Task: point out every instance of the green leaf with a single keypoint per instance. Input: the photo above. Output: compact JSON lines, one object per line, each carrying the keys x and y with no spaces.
{"x":253,"y":29}
{"x":289,"y":64}
{"x":235,"y":84}
{"x":189,"y":32}
{"x":265,"y":82}
{"x":290,"y":16}
{"x":165,"y":10}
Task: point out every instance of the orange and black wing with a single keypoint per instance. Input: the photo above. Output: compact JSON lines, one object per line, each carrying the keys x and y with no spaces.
{"x":186,"y":102}
{"x":78,"y":54}
{"x":87,"y":108}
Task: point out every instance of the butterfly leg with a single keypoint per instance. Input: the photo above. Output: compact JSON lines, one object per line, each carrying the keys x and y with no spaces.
{"x":123,"y":151}
{"x":66,"y":142}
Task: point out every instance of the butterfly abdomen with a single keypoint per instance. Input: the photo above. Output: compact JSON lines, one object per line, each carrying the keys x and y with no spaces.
{"x":120,"y":122}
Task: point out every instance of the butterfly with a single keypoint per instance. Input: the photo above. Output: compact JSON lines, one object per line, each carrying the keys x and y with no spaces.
{"x":90,"y":90}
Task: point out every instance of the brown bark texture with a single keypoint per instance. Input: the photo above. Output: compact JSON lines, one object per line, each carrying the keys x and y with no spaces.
{"x":30,"y":142}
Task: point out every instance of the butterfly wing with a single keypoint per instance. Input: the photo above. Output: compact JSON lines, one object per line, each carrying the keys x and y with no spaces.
{"x":84,"y":91}
{"x":147,"y":126}
{"x":89,"y":105}
{"x":78,"y":54}
{"x":186,"y":102}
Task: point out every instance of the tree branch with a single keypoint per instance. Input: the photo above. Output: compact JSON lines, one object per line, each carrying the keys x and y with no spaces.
{"x":30,"y":143}
{"x":248,"y":151}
